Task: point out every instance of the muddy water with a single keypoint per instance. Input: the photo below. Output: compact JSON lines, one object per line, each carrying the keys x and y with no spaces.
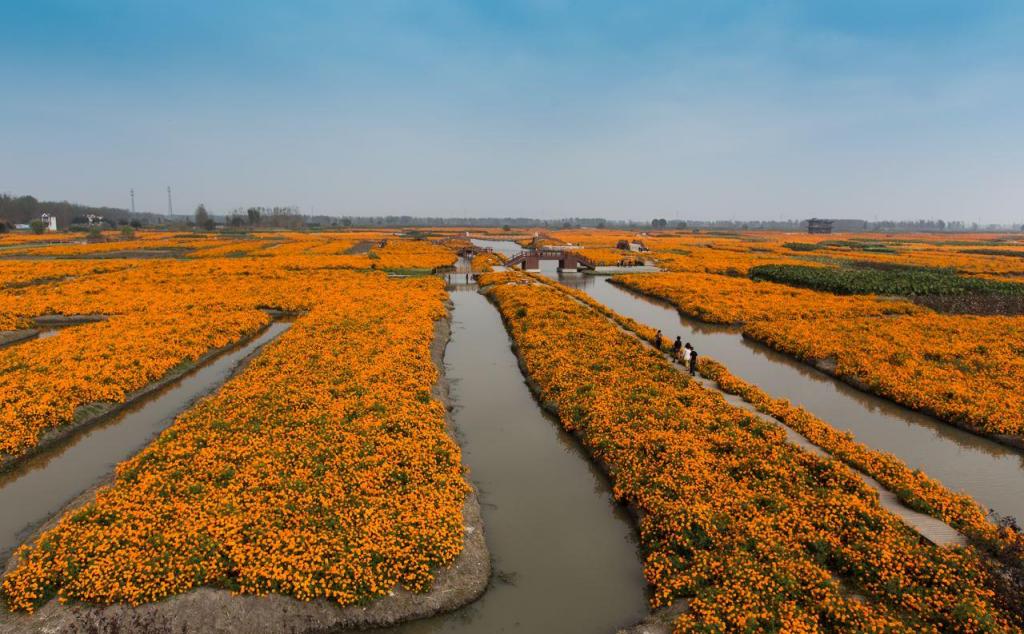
{"x":565,"y":555}
{"x":992,"y":473}
{"x":37,"y":489}
{"x":9,"y":339}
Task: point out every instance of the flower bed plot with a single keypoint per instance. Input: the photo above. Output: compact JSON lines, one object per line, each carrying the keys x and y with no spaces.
{"x":962,"y":368}
{"x":44,"y":382}
{"x":730,"y":300}
{"x":323,"y":470}
{"x":761,"y":535}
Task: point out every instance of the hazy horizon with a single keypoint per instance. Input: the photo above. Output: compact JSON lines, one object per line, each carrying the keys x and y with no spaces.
{"x":546,"y":109}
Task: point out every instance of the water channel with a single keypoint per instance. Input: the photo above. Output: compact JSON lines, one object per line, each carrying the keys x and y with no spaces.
{"x":990,"y":472}
{"x":564,"y":553}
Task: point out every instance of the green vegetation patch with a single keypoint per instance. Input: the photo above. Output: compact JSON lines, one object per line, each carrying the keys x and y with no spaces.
{"x":906,"y":281}
{"x":802,"y":246}
{"x":1010,"y":253}
{"x":867,"y":245}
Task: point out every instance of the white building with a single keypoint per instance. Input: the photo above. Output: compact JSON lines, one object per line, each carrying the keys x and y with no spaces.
{"x":50,"y":221}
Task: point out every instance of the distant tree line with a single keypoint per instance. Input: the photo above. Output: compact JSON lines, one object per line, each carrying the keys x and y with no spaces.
{"x":840,"y":225}
{"x":278,"y":217}
{"x":16,"y":210}
{"x":25,"y":209}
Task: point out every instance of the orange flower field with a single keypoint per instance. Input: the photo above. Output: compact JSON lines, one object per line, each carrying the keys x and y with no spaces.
{"x":483,"y":262}
{"x":323,"y":470}
{"x":523,"y":317}
{"x":757,"y":532}
{"x":325,"y":467}
{"x":163,"y":313}
{"x":916,"y":489}
{"x":394,"y":254}
{"x":965,"y":369}
{"x":734,"y":300}
{"x":42,"y":383}
{"x":16,"y":273}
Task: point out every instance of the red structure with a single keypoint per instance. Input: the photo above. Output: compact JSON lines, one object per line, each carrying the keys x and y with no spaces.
{"x":567,"y":260}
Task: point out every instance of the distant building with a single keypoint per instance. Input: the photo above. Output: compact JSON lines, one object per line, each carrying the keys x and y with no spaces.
{"x":626,"y":245}
{"x":819,"y":225}
{"x":50,"y":221}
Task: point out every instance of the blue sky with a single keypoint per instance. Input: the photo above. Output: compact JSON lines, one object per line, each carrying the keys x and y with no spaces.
{"x":746,"y":110}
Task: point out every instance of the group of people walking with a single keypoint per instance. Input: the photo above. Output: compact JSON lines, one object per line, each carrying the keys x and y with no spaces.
{"x":686,"y":355}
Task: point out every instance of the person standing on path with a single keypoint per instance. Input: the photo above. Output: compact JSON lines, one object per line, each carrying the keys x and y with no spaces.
{"x":677,"y":347}
{"x":693,"y":362}
{"x":657,"y":340}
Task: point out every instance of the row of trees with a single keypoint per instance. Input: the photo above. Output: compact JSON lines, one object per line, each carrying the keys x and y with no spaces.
{"x":291,"y":218}
{"x":24,"y":209}
{"x":278,"y":217}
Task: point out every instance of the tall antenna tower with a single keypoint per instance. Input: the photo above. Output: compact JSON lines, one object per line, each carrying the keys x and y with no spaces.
{"x":132,"y":192}
{"x":170,"y":205}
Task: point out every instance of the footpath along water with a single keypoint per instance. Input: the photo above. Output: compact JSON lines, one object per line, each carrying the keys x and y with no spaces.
{"x":992,"y":473}
{"x":36,"y":489}
{"x":565,"y":555}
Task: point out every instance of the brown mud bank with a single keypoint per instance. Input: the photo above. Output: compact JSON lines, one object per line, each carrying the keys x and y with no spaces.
{"x":58,"y":321}
{"x":11,"y":337}
{"x":361,"y":247}
{"x":219,"y":611}
{"x":661,"y":621}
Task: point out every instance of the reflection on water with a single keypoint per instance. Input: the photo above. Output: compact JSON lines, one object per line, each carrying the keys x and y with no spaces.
{"x":565,"y":555}
{"x":504,"y":247}
{"x":992,"y":473}
{"x":41,"y":486}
